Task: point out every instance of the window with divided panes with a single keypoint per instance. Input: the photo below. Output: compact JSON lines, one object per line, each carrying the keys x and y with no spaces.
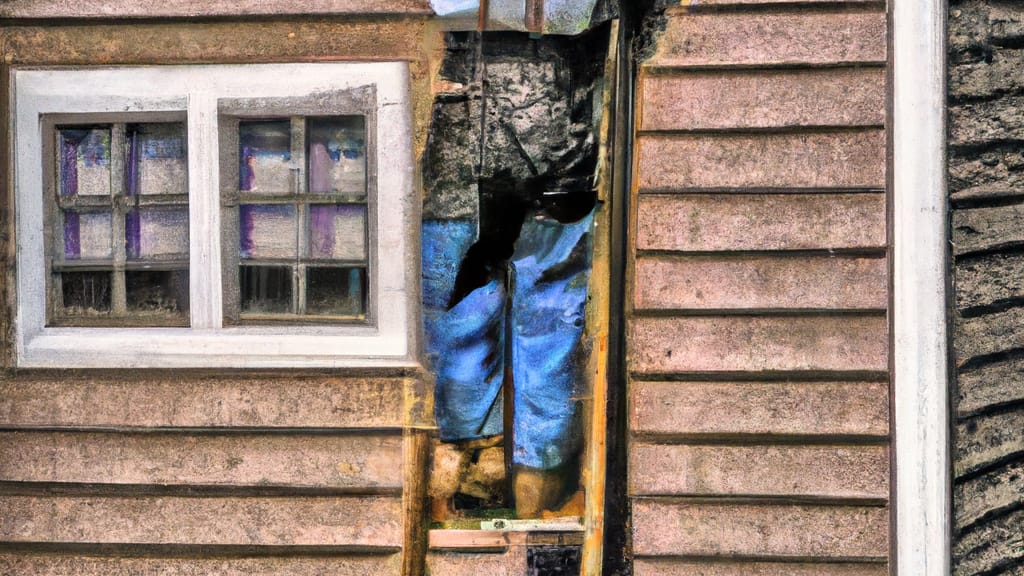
{"x":215,"y":216}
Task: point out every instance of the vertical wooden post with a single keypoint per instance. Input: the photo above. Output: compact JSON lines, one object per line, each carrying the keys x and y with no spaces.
{"x":535,"y":16}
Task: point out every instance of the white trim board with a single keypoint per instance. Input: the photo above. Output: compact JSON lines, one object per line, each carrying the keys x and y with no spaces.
{"x":920,"y":264}
{"x":195,"y":89}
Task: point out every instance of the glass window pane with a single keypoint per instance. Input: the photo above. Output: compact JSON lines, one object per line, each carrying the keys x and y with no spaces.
{"x":156,"y":232}
{"x":265,"y":289}
{"x":267,"y":231}
{"x":87,"y":235}
{"x":86,"y":293}
{"x":337,"y":232}
{"x":84,"y":161}
{"x":157,"y":292}
{"x":264,"y":157}
{"x":157,"y":162}
{"x":336,"y":291}
{"x":336,"y":149}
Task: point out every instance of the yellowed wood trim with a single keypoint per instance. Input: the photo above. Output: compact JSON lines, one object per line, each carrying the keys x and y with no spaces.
{"x":598,"y":313}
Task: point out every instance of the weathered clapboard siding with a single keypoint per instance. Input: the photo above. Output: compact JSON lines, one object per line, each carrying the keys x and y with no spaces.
{"x":758,"y":337}
{"x":986,"y":130}
{"x":178,"y":8}
{"x":673,"y":567}
{"x":40,"y":564}
{"x":750,"y":222}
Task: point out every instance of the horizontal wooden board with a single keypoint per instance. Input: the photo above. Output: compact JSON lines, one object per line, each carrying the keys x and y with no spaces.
{"x":75,"y":565}
{"x":763,"y":99}
{"x":988,"y":494}
{"x":234,"y":8}
{"x":251,"y":521}
{"x":758,"y":343}
{"x":676,"y":567}
{"x":761,"y":282}
{"x":771,"y":37}
{"x":723,"y":222}
{"x":759,"y":408}
{"x":347,"y":461}
{"x":985,"y":229}
{"x":761,"y":470}
{"x":992,"y":384}
{"x":985,"y":440}
{"x":806,"y":531}
{"x":263,"y":402}
{"x":811,"y":160}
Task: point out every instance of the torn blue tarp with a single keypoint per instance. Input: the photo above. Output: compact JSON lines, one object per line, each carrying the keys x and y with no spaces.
{"x":567,"y":17}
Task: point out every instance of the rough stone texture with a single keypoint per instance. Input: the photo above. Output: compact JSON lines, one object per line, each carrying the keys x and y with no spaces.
{"x":169,"y":8}
{"x":760,"y":408}
{"x":778,"y":530}
{"x":987,"y":229}
{"x":761,"y":282}
{"x":61,"y":565}
{"x":325,"y":462}
{"x":265,"y":401}
{"x":742,"y":343}
{"x":699,"y":222}
{"x":659,"y":567}
{"x":759,"y":470}
{"x":984,"y":442}
{"x":854,"y":159}
{"x":775,"y":37}
{"x":246,"y":521}
{"x":763,"y":99}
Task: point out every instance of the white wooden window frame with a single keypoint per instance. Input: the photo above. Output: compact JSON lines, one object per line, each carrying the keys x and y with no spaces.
{"x":388,"y":341}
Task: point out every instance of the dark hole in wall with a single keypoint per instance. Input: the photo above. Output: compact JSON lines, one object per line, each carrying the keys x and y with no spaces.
{"x":553,"y":560}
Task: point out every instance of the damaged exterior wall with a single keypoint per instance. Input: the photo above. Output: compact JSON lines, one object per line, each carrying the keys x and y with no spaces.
{"x":758,"y":293}
{"x":986,"y":127}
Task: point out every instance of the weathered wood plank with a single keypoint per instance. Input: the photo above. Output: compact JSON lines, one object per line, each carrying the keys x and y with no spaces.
{"x":673,"y":567}
{"x":706,"y":223}
{"x":755,"y":343}
{"x":979,"y":229}
{"x":761,"y":282}
{"x":255,"y":521}
{"x":989,"y":385}
{"x":826,"y":471}
{"x":771,"y":37}
{"x":763,"y":99}
{"x":347,"y":461}
{"x":191,"y":8}
{"x":993,"y":546}
{"x":763,"y":408}
{"x":983,"y":440}
{"x":810,"y":160}
{"x":983,"y":123}
{"x":989,"y":334}
{"x":987,"y":280}
{"x":263,"y":401}
{"x":987,"y":494}
{"x":74,"y":565}
{"x":670,"y":528}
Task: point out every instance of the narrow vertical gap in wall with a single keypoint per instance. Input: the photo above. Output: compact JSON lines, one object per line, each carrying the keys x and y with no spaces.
{"x":617,"y":546}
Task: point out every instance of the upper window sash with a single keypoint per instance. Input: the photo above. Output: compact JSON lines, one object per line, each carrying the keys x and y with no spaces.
{"x":198,"y":91}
